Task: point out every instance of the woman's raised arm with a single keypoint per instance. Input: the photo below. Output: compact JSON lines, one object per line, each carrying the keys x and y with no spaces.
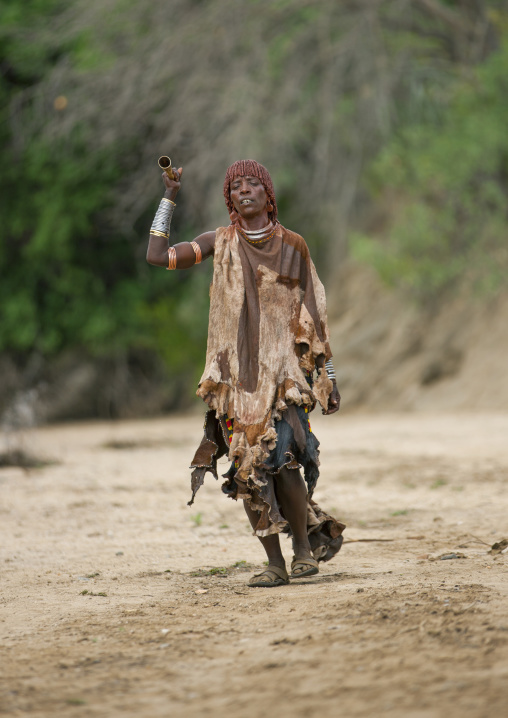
{"x":184,"y":254}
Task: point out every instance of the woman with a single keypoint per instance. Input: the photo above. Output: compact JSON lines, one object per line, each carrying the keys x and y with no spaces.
{"x":267,"y":335}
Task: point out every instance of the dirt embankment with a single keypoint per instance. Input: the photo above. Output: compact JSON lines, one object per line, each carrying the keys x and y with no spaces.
{"x":117,"y":599}
{"x":391,"y":355}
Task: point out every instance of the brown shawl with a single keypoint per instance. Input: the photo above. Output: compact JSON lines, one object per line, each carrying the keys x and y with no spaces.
{"x":267,"y":323}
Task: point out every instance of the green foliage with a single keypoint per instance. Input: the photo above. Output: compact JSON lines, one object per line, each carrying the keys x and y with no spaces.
{"x":443,"y":184}
{"x":176,"y":325}
{"x":68,"y":278}
{"x":64,"y":284}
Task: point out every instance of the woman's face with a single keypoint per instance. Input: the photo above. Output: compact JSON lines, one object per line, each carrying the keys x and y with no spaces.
{"x":248,"y":196}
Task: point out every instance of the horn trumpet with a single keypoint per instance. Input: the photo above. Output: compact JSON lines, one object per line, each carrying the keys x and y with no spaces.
{"x":165,"y":164}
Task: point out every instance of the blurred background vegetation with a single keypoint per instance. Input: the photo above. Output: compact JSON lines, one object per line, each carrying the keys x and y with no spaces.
{"x":383,"y":123}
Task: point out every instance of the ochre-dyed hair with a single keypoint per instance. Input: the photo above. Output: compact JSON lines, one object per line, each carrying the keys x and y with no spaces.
{"x":251,"y":168}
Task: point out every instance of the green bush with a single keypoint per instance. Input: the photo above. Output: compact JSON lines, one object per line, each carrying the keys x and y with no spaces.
{"x":68,"y":278}
{"x":443,"y":185}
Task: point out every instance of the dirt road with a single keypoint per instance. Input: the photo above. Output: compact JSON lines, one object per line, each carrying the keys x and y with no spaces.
{"x":116,"y":599}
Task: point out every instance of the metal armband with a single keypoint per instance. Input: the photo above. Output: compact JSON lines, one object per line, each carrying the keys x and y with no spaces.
{"x":197,"y":251}
{"x":162,"y":220}
{"x":172,"y":258}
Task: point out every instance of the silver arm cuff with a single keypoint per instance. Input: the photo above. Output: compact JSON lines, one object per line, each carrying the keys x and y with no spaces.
{"x":162,"y":220}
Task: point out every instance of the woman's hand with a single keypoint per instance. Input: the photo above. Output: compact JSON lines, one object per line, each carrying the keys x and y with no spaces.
{"x":172,"y":185}
{"x":333,"y":401}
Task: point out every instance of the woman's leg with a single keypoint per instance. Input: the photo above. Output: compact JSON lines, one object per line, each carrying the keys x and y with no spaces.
{"x":291,"y":492}
{"x":271,"y":544}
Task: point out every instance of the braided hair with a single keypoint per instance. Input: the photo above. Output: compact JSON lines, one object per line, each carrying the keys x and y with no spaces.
{"x":251,"y":168}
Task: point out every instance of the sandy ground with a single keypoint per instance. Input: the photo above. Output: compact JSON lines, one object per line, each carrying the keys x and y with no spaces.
{"x":117,"y":599}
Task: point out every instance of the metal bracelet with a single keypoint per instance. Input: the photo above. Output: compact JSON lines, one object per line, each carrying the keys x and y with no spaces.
{"x":197,"y":251}
{"x":162,"y":220}
{"x":329,"y":369}
{"x":171,"y":258}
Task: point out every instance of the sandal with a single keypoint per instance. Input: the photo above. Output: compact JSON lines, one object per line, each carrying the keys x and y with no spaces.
{"x":270,"y":577}
{"x":308,"y":567}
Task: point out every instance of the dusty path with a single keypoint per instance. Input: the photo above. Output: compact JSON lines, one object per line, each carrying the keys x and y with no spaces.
{"x":116,"y":599}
